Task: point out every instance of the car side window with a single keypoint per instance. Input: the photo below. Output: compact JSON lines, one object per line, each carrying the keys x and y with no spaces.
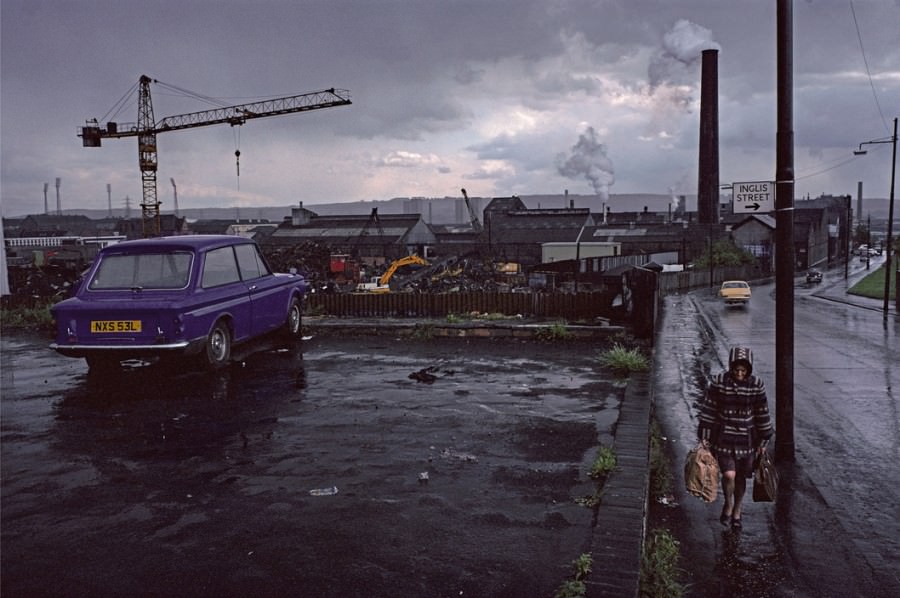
{"x":250,"y":262}
{"x":219,"y":268}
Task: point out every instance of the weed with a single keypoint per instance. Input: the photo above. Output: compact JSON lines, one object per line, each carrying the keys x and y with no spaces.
{"x":554,"y":332}
{"x":424,"y":333}
{"x":571,"y":589}
{"x":604,"y":462}
{"x":659,"y":566}
{"x":454,"y":319}
{"x":32,"y":318}
{"x":660,"y":474}
{"x":582,"y":566}
{"x":624,"y":361}
{"x":575,"y":587}
{"x":496,"y":316}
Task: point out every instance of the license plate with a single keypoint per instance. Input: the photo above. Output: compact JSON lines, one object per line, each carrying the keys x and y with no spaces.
{"x":115,"y":326}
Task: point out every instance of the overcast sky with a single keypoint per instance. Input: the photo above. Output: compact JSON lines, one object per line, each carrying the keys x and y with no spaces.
{"x":501,"y":97}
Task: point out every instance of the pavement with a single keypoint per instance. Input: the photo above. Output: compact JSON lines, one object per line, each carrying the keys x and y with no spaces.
{"x":797,"y":546}
{"x":624,"y":515}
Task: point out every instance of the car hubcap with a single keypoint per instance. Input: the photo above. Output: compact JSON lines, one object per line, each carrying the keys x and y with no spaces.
{"x":217,"y":344}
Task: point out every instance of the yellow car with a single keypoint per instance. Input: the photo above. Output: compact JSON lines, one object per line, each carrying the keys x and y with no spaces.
{"x":735,"y":292}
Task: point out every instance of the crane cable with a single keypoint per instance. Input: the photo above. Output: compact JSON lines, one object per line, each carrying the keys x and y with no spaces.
{"x":237,"y":154}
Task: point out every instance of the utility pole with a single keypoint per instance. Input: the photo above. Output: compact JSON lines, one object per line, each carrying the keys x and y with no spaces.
{"x":847,"y":238}
{"x":890,"y":223}
{"x":784,"y":234}
{"x":890,"y":226}
{"x":868,"y":240}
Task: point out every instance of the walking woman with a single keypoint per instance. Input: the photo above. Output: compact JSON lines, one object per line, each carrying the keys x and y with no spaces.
{"x":735,"y":424}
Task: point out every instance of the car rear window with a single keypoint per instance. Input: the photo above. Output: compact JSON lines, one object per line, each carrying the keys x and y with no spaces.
{"x":166,"y":270}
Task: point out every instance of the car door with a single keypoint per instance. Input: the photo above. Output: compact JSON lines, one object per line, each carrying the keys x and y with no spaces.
{"x":268,"y":295}
{"x":223,"y":292}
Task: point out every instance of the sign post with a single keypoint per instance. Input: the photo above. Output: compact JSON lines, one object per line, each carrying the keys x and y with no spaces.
{"x":753,"y":197}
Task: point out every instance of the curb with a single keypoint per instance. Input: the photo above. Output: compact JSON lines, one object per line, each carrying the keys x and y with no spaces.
{"x":617,"y":541}
{"x":443,"y":329}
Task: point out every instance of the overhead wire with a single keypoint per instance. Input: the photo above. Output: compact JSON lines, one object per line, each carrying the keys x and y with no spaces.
{"x":845,"y":160}
{"x":866,"y":62}
{"x":824,"y":170}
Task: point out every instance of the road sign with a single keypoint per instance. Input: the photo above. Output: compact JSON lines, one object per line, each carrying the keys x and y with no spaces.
{"x":753,"y":197}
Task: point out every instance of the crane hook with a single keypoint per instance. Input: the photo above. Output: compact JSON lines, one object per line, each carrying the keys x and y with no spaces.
{"x":237,"y":160}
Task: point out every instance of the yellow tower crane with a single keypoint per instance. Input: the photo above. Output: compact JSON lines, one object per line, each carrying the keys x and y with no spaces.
{"x":147,"y":128}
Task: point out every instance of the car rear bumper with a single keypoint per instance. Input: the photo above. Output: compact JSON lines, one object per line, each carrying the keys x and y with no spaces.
{"x":130,"y":351}
{"x":736,"y":301}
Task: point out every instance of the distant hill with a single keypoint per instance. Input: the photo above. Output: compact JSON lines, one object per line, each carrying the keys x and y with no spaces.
{"x":445,"y":210}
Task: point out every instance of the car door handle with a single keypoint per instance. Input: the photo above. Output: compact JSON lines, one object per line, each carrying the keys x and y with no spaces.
{"x":252,"y":287}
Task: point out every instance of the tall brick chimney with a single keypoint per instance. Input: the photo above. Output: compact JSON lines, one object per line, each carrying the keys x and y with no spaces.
{"x":708,"y":181}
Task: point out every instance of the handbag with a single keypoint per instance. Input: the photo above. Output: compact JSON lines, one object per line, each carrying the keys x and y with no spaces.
{"x":701,"y":473}
{"x":765,"y":479}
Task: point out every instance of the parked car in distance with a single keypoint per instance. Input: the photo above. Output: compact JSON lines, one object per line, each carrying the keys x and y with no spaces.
{"x":735,"y":292}
{"x":193,"y":295}
{"x":813,"y":276}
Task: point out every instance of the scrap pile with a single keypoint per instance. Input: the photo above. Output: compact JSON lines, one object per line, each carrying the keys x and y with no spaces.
{"x":309,"y":258}
{"x":464,"y":275}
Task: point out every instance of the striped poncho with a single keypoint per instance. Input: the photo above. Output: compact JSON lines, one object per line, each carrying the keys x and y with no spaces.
{"x":734,"y":415}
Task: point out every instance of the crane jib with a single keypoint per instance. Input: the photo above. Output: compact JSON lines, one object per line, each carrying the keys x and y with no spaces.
{"x":231,"y":115}
{"x":147,"y":127}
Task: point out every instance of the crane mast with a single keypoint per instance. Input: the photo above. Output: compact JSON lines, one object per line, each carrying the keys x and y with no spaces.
{"x":147,"y":160}
{"x":146,"y":129}
{"x":473,"y":217}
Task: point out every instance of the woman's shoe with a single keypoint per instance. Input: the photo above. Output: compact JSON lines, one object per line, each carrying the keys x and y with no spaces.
{"x":724,"y":518}
{"x":736,"y":524}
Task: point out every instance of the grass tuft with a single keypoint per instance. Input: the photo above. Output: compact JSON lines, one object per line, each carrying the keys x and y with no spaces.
{"x":31,"y":318}
{"x":575,"y":587}
{"x":624,"y":361}
{"x":659,"y":566}
{"x":555,"y":332}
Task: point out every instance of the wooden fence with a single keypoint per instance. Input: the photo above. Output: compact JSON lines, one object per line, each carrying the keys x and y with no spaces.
{"x":571,"y":306}
{"x":640,"y":307}
{"x":680,"y":282}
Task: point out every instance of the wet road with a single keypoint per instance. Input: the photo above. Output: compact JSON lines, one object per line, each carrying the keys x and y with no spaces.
{"x":834,"y":530}
{"x":160,"y":482}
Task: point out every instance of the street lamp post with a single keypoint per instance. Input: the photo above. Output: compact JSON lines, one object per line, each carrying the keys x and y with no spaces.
{"x":890,"y":223}
{"x":868,"y":240}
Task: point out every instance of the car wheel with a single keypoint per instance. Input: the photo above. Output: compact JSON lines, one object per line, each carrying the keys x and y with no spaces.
{"x":293,"y":325}
{"x":218,"y":346}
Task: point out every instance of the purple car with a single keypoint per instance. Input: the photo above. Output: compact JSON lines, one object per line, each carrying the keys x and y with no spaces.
{"x":191,"y":295}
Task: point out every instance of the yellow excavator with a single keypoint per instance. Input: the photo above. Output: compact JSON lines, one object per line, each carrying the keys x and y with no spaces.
{"x":379,"y":284}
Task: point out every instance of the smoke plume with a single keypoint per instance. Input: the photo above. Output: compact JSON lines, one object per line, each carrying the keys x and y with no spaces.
{"x":681,"y":48}
{"x":588,"y":158}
